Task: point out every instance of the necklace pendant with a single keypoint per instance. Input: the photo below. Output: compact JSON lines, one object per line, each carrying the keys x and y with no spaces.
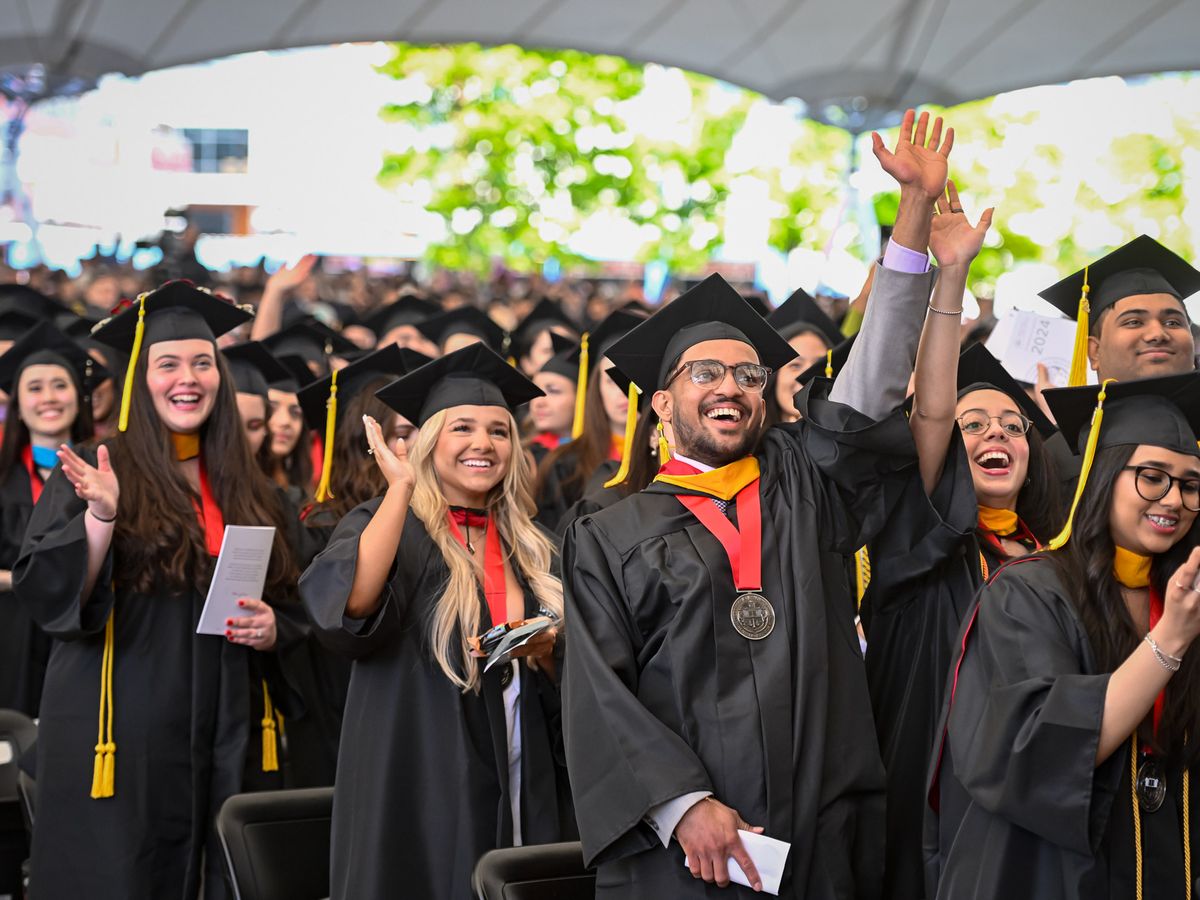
{"x":753,"y":616}
{"x":1151,"y":785}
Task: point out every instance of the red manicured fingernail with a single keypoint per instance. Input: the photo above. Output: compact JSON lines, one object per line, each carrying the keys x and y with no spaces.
{"x":229,"y":621}
{"x":228,"y":633}
{"x":241,"y":603}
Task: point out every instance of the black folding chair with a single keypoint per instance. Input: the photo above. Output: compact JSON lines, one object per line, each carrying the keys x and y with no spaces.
{"x":539,"y":872}
{"x":276,"y":844}
{"x":17,"y":735}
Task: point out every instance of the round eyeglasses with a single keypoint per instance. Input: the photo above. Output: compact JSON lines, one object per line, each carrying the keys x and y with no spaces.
{"x":709,"y":372}
{"x":1153,"y":484}
{"x":977,"y":421}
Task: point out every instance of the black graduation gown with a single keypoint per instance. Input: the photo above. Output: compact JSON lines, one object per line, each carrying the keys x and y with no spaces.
{"x":555,"y":498}
{"x":24,"y":648}
{"x":422,"y":783}
{"x":182,"y":722}
{"x":662,"y":697}
{"x":925,"y":571}
{"x":1040,"y":820}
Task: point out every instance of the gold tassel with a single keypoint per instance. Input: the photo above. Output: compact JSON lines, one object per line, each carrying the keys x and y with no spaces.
{"x":127,"y":388}
{"x":627,"y":443}
{"x":581,"y":384}
{"x":1078,"y":372}
{"x":323,"y":492}
{"x":270,"y":745}
{"x":862,"y":573}
{"x":1089,"y":455}
{"x":664,"y":449}
{"x":104,"y":769}
{"x":829,"y":363}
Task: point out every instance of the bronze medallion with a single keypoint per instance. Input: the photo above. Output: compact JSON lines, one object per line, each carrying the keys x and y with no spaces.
{"x":753,"y":616}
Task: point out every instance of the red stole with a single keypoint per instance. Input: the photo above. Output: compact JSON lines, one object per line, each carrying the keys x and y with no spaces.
{"x":495,"y":587}
{"x":35,"y":480}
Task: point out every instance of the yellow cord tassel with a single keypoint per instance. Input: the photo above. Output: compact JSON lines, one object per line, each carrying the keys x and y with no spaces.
{"x":127,"y":388}
{"x":104,"y":769}
{"x":270,"y":743}
{"x":1078,"y":372}
{"x":627,"y":443}
{"x":862,"y":573}
{"x":664,"y":448}
{"x":581,"y":384}
{"x":829,"y":363}
{"x":1137,"y":824}
{"x":323,"y":492}
{"x":1089,"y":455}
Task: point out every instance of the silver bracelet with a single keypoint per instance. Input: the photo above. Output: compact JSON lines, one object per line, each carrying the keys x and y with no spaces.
{"x":946,"y":312}
{"x":1165,"y":659}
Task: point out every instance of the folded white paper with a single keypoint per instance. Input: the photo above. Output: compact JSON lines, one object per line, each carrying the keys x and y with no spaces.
{"x":1022,"y":339}
{"x":768,"y":856}
{"x":241,"y":571}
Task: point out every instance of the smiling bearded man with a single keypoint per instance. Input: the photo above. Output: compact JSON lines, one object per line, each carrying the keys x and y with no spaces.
{"x":713,"y":677}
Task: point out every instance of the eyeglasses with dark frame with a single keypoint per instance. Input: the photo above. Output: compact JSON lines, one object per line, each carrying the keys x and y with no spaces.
{"x":709,"y":372}
{"x":1152,"y":483}
{"x":977,"y":421}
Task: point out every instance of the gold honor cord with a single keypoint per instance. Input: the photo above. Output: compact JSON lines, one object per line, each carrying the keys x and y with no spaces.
{"x":581,"y":385}
{"x":104,"y":768}
{"x":323,"y":492}
{"x":270,"y":722}
{"x":1137,"y":823}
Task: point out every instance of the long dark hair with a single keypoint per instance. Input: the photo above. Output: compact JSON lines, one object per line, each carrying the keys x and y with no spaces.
{"x":355,"y":478}
{"x":1039,"y":502}
{"x":1086,"y":564}
{"x":16,"y":432}
{"x":588,"y":451}
{"x":158,"y":539}
{"x":295,"y":469}
{"x":774,"y":414}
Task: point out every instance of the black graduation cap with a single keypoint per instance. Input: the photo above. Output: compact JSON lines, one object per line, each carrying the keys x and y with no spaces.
{"x":1143,"y":266}
{"x":545,"y":314}
{"x":24,"y":299}
{"x":758,"y":302}
{"x":299,"y":374}
{"x":830,"y":364}
{"x":637,"y":306}
{"x":310,"y":339}
{"x":176,"y":311}
{"x":464,"y":320}
{"x":408,"y":310}
{"x":14,"y":324}
{"x":473,"y":375}
{"x":565,"y":360}
{"x":979,"y":370}
{"x":390,"y":361}
{"x":76,"y":326}
{"x":710,"y":311}
{"x":253,"y":368}
{"x":801,"y":309}
{"x":1160,"y":412}
{"x":44,"y":344}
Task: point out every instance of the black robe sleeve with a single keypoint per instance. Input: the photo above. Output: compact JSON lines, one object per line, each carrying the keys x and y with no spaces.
{"x":622,"y":760}
{"x":1025,"y":720}
{"x":50,"y":573}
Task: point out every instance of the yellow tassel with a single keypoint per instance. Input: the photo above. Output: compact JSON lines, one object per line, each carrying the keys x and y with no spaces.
{"x":1078,"y":372}
{"x":829,"y":363}
{"x":1089,"y":455}
{"x":127,"y":388}
{"x":323,"y":492}
{"x":664,"y":449}
{"x":270,"y":746}
{"x":627,"y":444}
{"x":104,"y":768}
{"x":581,"y":384}
{"x":862,"y":573}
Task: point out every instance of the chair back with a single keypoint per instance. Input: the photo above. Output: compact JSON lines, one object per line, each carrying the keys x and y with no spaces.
{"x":538,"y":872}
{"x":276,"y":844}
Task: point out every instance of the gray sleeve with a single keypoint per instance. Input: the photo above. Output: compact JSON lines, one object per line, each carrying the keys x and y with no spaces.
{"x":874,"y":380}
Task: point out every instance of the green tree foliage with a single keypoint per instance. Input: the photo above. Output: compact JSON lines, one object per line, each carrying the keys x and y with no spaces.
{"x":516,"y":148}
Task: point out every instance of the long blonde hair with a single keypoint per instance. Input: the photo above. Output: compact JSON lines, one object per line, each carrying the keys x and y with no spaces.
{"x":511,"y":507}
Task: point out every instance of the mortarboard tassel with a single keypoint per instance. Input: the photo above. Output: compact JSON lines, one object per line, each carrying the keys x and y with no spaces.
{"x":829,"y":363}
{"x":1078,"y":373}
{"x":862,"y":573}
{"x":323,"y":492}
{"x":270,"y":746}
{"x":1089,"y":455}
{"x":127,"y":388}
{"x":664,"y":449}
{"x":105,"y":767}
{"x":581,"y":388}
{"x":627,"y":444}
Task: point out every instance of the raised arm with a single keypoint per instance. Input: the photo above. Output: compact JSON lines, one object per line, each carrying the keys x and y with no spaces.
{"x":380,"y":540}
{"x":955,"y":244}
{"x":97,"y":485}
{"x":269,"y":317}
{"x":875,"y":377}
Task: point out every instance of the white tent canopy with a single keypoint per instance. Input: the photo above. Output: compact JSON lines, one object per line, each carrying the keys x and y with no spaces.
{"x":854,"y":62}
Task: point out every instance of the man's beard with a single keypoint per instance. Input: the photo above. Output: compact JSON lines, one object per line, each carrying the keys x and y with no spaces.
{"x":695,"y":442}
